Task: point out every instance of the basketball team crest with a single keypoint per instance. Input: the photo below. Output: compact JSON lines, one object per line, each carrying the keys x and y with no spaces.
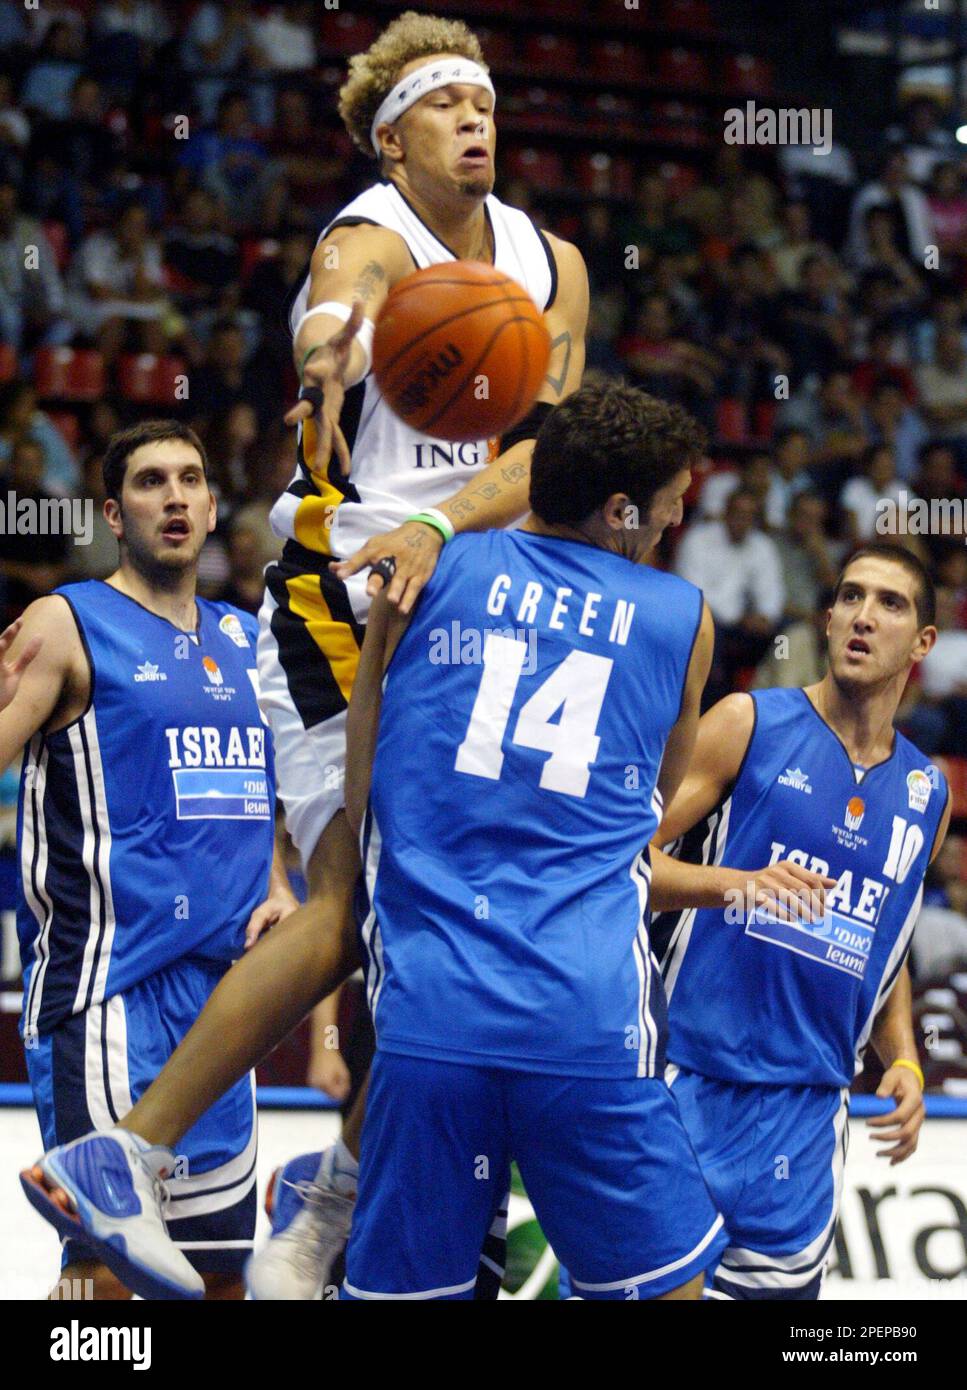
{"x":855,"y":811}
{"x":212,"y":668}
{"x":918,"y":790}
{"x":215,"y":684}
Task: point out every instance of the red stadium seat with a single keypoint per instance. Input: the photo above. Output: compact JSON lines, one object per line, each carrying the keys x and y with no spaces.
{"x":150,"y":380}
{"x":8,"y":362}
{"x":731,"y":421}
{"x":765,"y":419}
{"x":542,"y":169}
{"x":68,"y":425}
{"x":551,"y":54}
{"x":69,"y":374}
{"x":253,"y":250}
{"x":681,"y":67}
{"x":616,"y":59}
{"x":342,"y":32}
{"x":605,"y":176}
{"x":745,"y":75}
{"x":686,"y":14}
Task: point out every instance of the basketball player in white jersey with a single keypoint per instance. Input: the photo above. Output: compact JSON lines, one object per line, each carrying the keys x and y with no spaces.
{"x":421,"y":102}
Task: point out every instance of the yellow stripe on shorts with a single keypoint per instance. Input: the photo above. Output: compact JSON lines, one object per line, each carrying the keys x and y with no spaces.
{"x":334,"y":639}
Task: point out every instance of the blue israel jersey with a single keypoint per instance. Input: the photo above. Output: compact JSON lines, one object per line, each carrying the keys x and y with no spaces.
{"x":753,"y":999}
{"x":525,"y":716}
{"x":145,"y":826}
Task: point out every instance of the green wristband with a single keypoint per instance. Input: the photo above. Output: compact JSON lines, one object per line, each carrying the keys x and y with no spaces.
{"x":302,"y":366}
{"x":438,"y":520}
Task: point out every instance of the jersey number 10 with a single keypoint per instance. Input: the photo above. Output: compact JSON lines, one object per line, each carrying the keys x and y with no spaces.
{"x":576,"y":687}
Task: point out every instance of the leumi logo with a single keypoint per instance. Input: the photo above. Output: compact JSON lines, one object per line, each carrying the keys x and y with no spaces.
{"x":211,"y":667}
{"x":855,"y":809}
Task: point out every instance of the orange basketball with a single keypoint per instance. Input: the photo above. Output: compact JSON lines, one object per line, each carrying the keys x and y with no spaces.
{"x":460,"y":351}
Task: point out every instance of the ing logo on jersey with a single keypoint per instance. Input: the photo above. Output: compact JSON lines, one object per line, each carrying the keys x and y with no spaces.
{"x":147,"y":671}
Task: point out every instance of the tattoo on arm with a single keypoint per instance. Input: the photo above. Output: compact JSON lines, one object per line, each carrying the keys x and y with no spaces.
{"x":513,"y":472}
{"x":557,"y":383}
{"x":369,"y":280}
{"x":487,"y":491}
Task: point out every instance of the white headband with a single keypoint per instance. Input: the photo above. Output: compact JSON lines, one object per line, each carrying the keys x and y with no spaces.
{"x":428,"y":79}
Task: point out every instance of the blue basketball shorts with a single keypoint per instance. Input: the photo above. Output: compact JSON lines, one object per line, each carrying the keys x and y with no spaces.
{"x":606,"y":1163}
{"x":87,"y":1073}
{"x":773,"y":1158}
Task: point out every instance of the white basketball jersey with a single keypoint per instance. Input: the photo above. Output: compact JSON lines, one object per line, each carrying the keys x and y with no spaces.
{"x":397,"y":470}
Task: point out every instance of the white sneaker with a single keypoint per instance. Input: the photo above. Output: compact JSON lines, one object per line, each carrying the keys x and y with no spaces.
{"x":115,"y":1197}
{"x":310,"y":1201}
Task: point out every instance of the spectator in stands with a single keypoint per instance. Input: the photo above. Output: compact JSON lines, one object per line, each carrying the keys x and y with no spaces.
{"x":754,"y":475}
{"x":48,"y":83}
{"x":862,"y":497}
{"x":21,"y":419}
{"x":943,"y":885}
{"x":948,"y":208}
{"x":32,"y":300}
{"x":14,"y":132}
{"x":743,"y":320}
{"x":922,"y":138}
{"x":813,"y":319}
{"x":234,"y":166}
{"x":233,"y":442}
{"x":809,"y":559}
{"x":72,"y":157}
{"x":882,"y":253}
{"x":31,"y":564}
{"x":654,"y":229}
{"x":144,"y":20}
{"x":312,"y":156}
{"x":246,"y":583}
{"x":943,"y":387}
{"x":100,"y":558}
{"x":951,"y":569}
{"x":882,"y":363}
{"x":833,"y":418}
{"x":225,"y":379}
{"x":890,"y":420}
{"x":796,"y":243}
{"x":912,"y":225}
{"x":283,"y":37}
{"x":118,"y":286}
{"x":946,"y":311}
{"x":218,"y":45}
{"x":938,"y":722}
{"x":267,"y":291}
{"x":200,"y":259}
{"x":738,"y":569}
{"x":792,"y":452}
{"x":666,"y":364}
{"x":937,"y":480}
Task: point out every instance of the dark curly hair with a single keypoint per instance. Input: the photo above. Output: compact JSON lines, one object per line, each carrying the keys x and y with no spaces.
{"x":606,"y":438}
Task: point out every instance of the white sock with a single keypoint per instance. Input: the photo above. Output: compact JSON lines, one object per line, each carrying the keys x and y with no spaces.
{"x":339,"y":1169}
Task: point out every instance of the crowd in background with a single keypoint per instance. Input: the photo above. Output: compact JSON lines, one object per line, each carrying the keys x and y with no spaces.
{"x":812,"y":313}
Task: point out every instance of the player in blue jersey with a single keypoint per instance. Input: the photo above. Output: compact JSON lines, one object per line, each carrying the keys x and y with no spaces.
{"x":537,"y":709}
{"x":146,"y":841}
{"x":768,"y":1018}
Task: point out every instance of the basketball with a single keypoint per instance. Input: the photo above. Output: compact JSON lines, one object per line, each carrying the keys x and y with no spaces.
{"x":460,"y":351}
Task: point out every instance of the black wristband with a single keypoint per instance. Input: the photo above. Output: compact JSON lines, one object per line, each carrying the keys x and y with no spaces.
{"x":526,"y":428}
{"x":313,"y":394}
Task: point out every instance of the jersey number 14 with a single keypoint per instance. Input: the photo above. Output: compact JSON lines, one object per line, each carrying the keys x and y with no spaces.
{"x":577,"y":687}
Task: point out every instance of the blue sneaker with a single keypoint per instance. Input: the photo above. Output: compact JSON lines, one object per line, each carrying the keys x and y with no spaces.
{"x":310,"y":1228}
{"x":108,"y":1187}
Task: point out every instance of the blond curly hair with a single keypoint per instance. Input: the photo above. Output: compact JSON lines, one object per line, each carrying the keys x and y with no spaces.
{"x":374,"y":74}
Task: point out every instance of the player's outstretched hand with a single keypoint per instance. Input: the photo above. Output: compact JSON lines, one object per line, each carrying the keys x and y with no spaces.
{"x":328,"y":1072}
{"x":414,"y":546}
{"x":269,"y":913}
{"x":901,"y":1127}
{"x":793,"y":893}
{"x":11,"y":671}
{"x":324,"y":381}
